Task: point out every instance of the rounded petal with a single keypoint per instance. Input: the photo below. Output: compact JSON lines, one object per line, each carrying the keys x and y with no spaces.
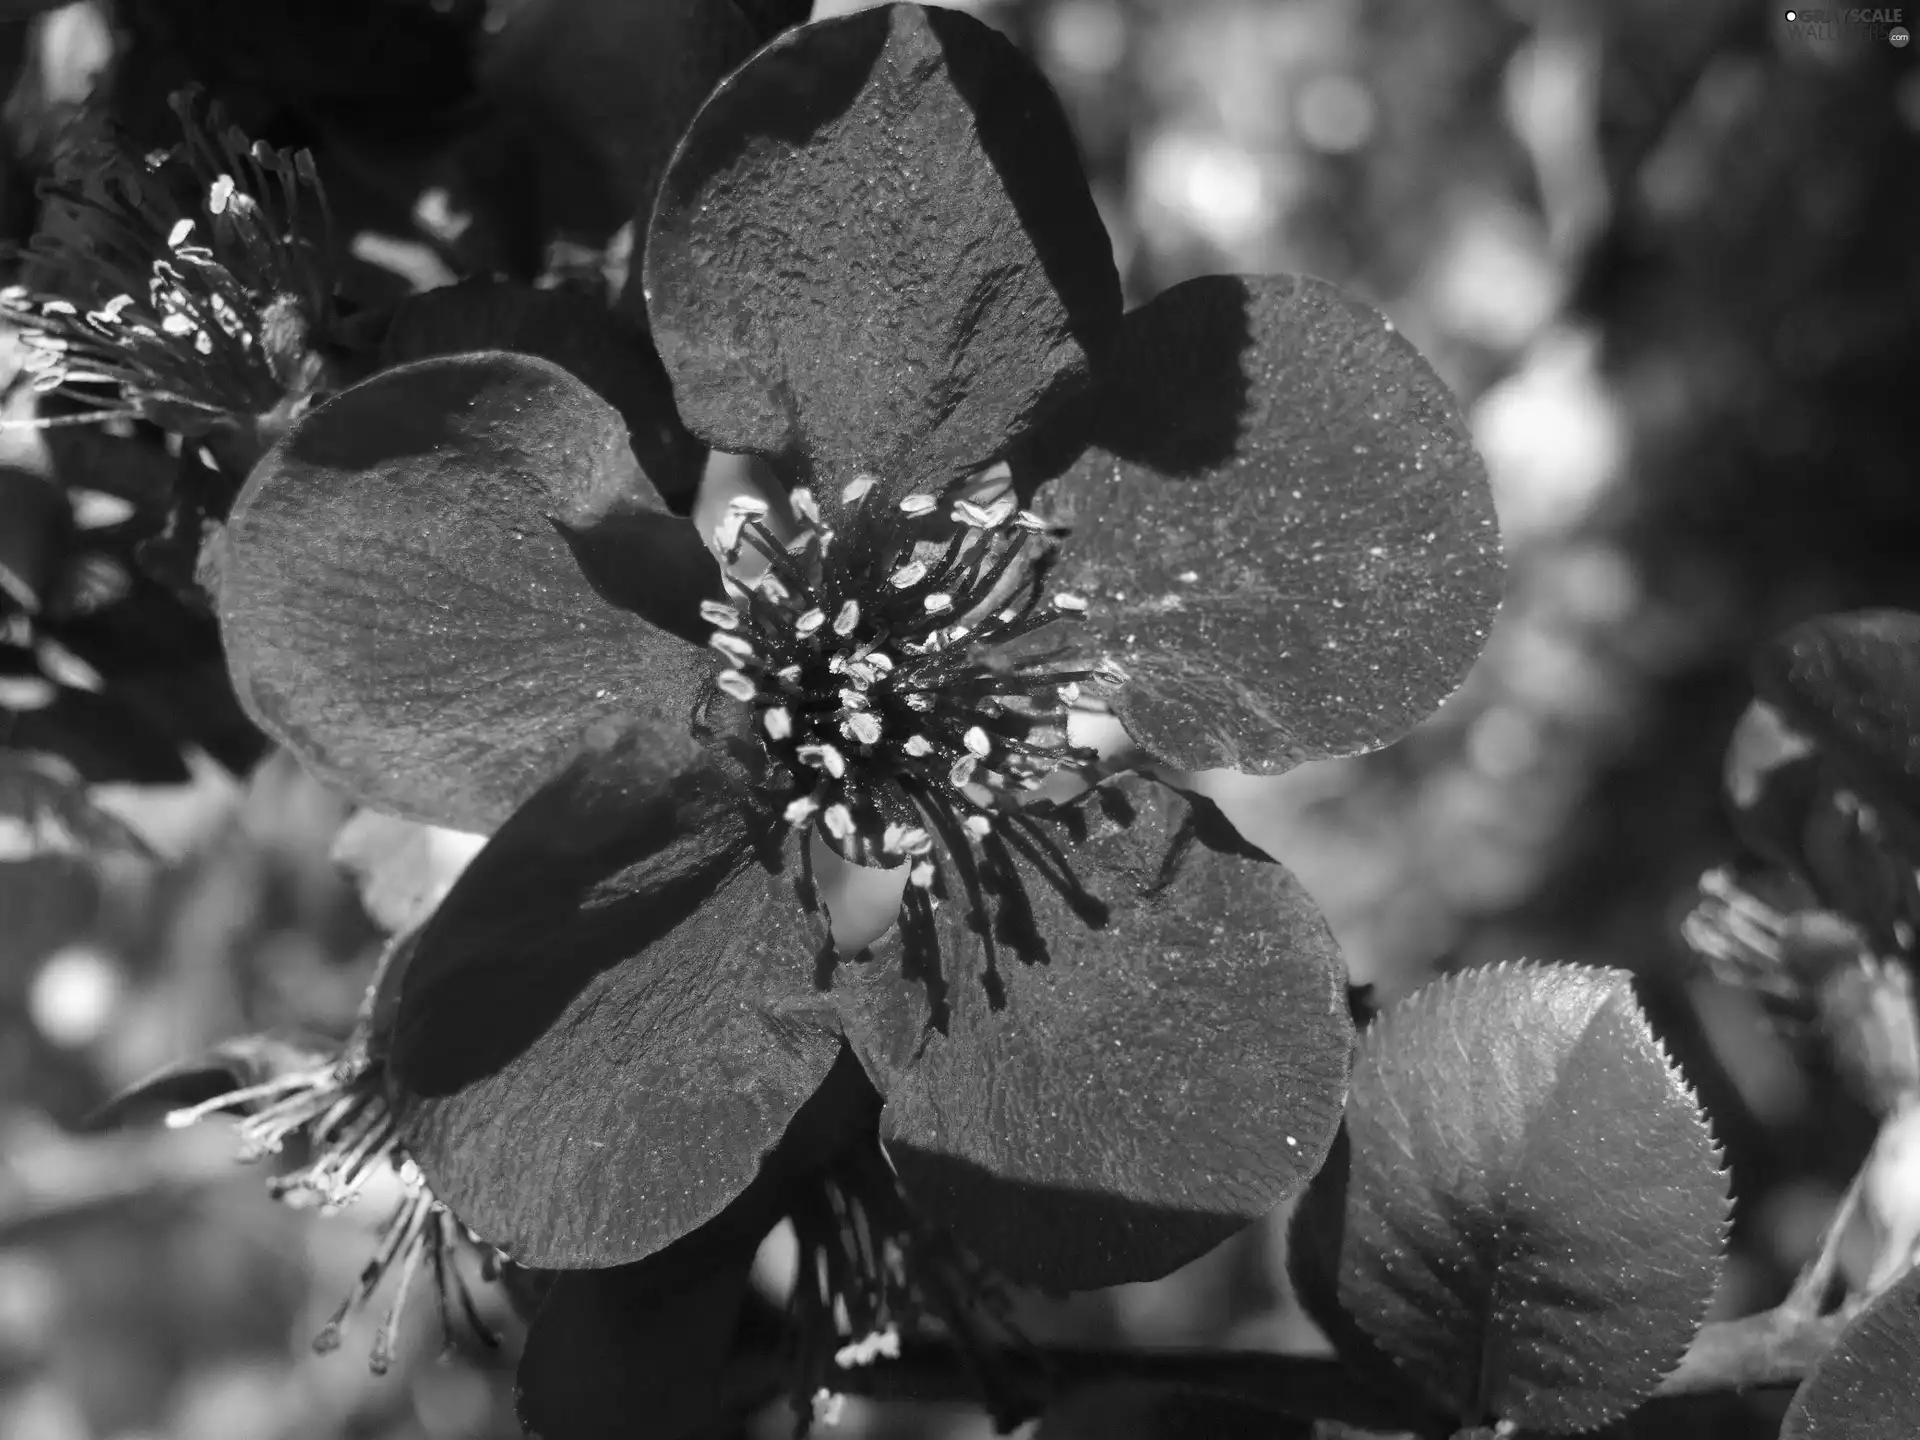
{"x":1282,"y":527}
{"x":442,"y":577}
{"x":610,"y":1019}
{"x":875,"y":251}
{"x":610,"y":352}
{"x":1100,"y":1104}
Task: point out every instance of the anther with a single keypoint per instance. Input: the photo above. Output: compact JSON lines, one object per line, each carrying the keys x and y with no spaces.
{"x":938,"y":603}
{"x":800,"y":811}
{"x":919,"y":505}
{"x":718,"y":612}
{"x":823,"y":757}
{"x":1073,"y":604}
{"x":177,"y":236}
{"x":804,"y":505}
{"x":847,"y":619}
{"x":856,"y":489}
{"x":911,"y":573}
{"x":918,"y":746}
{"x":978,"y":826}
{"x":736,"y":685}
{"x":734,"y":647}
{"x":864,"y":726}
{"x":778,"y":722}
{"x":977,"y":742}
{"x":839,"y":821}
{"x":810,"y":622}
{"x":962,"y":771}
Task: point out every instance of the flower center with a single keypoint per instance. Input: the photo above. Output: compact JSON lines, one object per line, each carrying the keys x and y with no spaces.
{"x":876,"y":660}
{"x":198,"y":321}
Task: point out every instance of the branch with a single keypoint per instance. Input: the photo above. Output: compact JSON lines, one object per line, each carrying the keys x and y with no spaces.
{"x":1772,"y":1349}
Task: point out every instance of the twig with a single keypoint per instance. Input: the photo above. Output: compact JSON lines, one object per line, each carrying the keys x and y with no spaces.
{"x":1768,"y":1350}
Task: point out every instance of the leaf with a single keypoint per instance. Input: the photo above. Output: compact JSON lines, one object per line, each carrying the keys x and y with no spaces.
{"x":875,"y":250}
{"x":228,"y":1066}
{"x":1088,"y":1104}
{"x":1868,"y":1386}
{"x":1284,"y":532}
{"x":1531,"y":1206}
{"x":610,"y":1019}
{"x":443,"y":577}
{"x":648,"y":1340}
{"x":1852,"y":682}
{"x":615,"y":81}
{"x":1135,"y":1410}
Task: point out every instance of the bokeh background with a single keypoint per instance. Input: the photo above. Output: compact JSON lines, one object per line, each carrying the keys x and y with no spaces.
{"x":1667,"y":253}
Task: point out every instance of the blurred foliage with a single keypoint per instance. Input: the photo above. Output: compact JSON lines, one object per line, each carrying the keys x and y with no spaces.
{"x":1670,"y":254}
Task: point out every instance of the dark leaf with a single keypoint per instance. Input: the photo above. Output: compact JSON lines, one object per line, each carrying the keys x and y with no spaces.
{"x":1134,"y":1410}
{"x":1852,"y":683}
{"x":429,"y":588}
{"x":36,"y":522}
{"x":230,"y":1065}
{"x":611,"y":353}
{"x":875,"y":251}
{"x":615,"y":81}
{"x":1286,"y":536}
{"x":1149,"y":1086}
{"x":638,"y":1349}
{"x":611,"y":1017}
{"x":104,"y":738}
{"x":1532,"y":1208}
{"x":1868,"y":1386}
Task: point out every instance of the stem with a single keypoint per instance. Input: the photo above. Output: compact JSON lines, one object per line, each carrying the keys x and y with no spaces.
{"x":1772,"y":1349}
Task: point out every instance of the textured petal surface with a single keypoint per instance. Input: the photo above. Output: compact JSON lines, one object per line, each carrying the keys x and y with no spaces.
{"x":610,"y":352}
{"x":610,"y":1019}
{"x":1286,"y":536}
{"x":875,"y":251}
{"x":1148,"y":1086}
{"x":443,"y":576}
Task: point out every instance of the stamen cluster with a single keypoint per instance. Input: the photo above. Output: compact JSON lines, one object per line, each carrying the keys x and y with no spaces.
{"x":874,"y":657}
{"x":196,"y":317}
{"x":869,"y":1271}
{"x":338,"y":1110}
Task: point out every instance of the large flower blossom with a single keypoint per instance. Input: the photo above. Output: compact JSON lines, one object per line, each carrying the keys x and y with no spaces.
{"x":1108,"y":1031}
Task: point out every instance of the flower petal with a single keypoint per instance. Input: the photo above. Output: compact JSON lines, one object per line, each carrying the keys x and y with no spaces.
{"x":444,"y":575}
{"x":611,"y":353}
{"x":875,"y":251}
{"x":611,"y":1017}
{"x":650,"y":1340}
{"x":1285,"y":533}
{"x":1149,"y":1085}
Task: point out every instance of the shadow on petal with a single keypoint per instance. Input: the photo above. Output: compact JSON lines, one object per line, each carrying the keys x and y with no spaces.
{"x":611,"y":1018}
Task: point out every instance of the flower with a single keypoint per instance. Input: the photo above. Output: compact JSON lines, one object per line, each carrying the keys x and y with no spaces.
{"x":330,"y":1101}
{"x":1109,"y":1031}
{"x":204,"y":316}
